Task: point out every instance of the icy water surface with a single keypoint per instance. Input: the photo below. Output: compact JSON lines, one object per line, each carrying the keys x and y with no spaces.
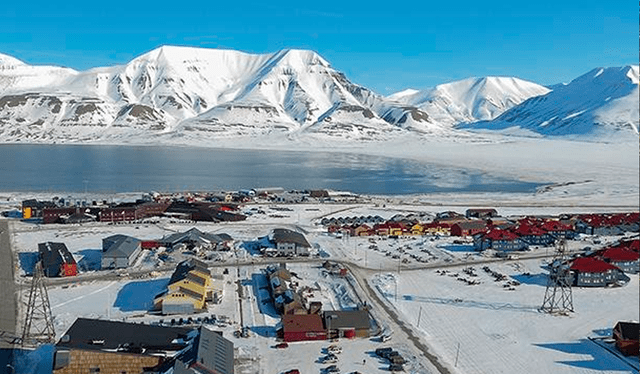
{"x":98,"y":168}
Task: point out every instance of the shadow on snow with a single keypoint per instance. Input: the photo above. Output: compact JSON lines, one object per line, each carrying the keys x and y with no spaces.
{"x":139,"y":295}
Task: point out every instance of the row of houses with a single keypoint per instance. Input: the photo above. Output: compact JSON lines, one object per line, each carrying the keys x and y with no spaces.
{"x":122,"y":251}
{"x":285,"y":299}
{"x":534,"y":230}
{"x":190,"y":287}
{"x":49,"y":212}
{"x":113,"y":347}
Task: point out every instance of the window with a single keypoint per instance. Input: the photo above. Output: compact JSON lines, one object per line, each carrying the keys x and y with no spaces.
{"x":94,"y":370}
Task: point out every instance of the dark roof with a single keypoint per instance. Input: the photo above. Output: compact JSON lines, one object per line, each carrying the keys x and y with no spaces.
{"x":468,"y":225}
{"x":628,"y":330}
{"x":215,"y":353}
{"x":302,"y":323}
{"x":358,"y":319}
{"x":94,"y":334}
{"x":53,"y":255}
{"x":289,"y":236}
{"x":185,"y":267}
{"x":121,"y":246}
{"x":196,"y":236}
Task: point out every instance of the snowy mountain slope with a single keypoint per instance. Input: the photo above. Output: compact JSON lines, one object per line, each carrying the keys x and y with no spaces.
{"x":470,"y":100}
{"x":174,"y":89}
{"x":601,"y":102}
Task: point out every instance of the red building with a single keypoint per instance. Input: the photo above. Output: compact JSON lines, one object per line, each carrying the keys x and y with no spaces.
{"x":302,"y":327}
{"x":627,"y":337}
{"x":468,"y":228}
{"x":56,"y":259}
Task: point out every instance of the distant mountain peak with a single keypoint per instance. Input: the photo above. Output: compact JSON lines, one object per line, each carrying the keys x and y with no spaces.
{"x":471,"y":99}
{"x":6,"y":60}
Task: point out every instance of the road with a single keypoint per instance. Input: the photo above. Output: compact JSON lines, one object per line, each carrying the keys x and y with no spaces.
{"x":8,"y":306}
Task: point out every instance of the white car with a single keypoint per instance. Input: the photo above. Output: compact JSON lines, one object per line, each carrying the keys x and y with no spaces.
{"x":334,"y":349}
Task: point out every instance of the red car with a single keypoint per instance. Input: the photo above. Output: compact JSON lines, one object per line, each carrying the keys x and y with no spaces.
{"x":282,"y":345}
{"x":294,"y":371}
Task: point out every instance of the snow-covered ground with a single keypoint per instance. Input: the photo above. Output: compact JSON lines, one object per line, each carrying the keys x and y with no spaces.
{"x":489,"y":328}
{"x":498,"y":330}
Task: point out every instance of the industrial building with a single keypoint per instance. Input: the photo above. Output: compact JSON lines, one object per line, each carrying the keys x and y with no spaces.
{"x":56,"y":259}
{"x":119,"y":251}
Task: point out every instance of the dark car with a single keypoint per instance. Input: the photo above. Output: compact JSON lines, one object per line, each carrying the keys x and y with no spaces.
{"x":292,"y":371}
{"x":282,"y":345}
{"x":396,"y":367}
{"x":382,"y":352}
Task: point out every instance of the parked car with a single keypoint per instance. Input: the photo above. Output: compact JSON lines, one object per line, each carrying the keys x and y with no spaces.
{"x":329,"y":359}
{"x":282,"y":345}
{"x":292,"y":371}
{"x":334,"y":349}
{"x":331,"y":369}
{"x":396,"y":367}
{"x":382,"y":352}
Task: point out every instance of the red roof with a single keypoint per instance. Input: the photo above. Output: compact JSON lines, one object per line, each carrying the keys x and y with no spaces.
{"x":302,"y":323}
{"x":620,"y":254}
{"x":633,"y":245}
{"x":552,"y":225}
{"x":527,"y":229}
{"x":497,"y":234}
{"x":591,"y":265}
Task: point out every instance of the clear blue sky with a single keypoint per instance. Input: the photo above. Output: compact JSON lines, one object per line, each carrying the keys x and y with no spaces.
{"x":386,"y":46}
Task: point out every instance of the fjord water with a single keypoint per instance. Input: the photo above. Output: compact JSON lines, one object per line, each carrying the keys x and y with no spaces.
{"x":106,"y":168}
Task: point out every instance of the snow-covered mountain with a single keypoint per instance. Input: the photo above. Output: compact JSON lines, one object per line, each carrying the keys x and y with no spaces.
{"x":183,"y":93}
{"x":470,"y":100}
{"x":182,"y":89}
{"x":602,"y":102}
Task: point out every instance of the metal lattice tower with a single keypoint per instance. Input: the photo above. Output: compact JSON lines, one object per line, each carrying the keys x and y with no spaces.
{"x":558,"y":298}
{"x":38,"y":325}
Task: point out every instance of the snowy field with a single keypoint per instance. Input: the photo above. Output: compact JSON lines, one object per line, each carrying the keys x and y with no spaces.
{"x":488,"y":328}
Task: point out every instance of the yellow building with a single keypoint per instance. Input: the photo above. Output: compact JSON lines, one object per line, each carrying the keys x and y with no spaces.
{"x":189,"y":289}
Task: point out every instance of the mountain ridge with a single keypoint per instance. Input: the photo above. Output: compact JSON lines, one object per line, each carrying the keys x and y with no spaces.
{"x":213,"y":93}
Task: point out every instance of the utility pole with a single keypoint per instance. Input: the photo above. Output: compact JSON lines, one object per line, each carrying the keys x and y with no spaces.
{"x":38,"y":324}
